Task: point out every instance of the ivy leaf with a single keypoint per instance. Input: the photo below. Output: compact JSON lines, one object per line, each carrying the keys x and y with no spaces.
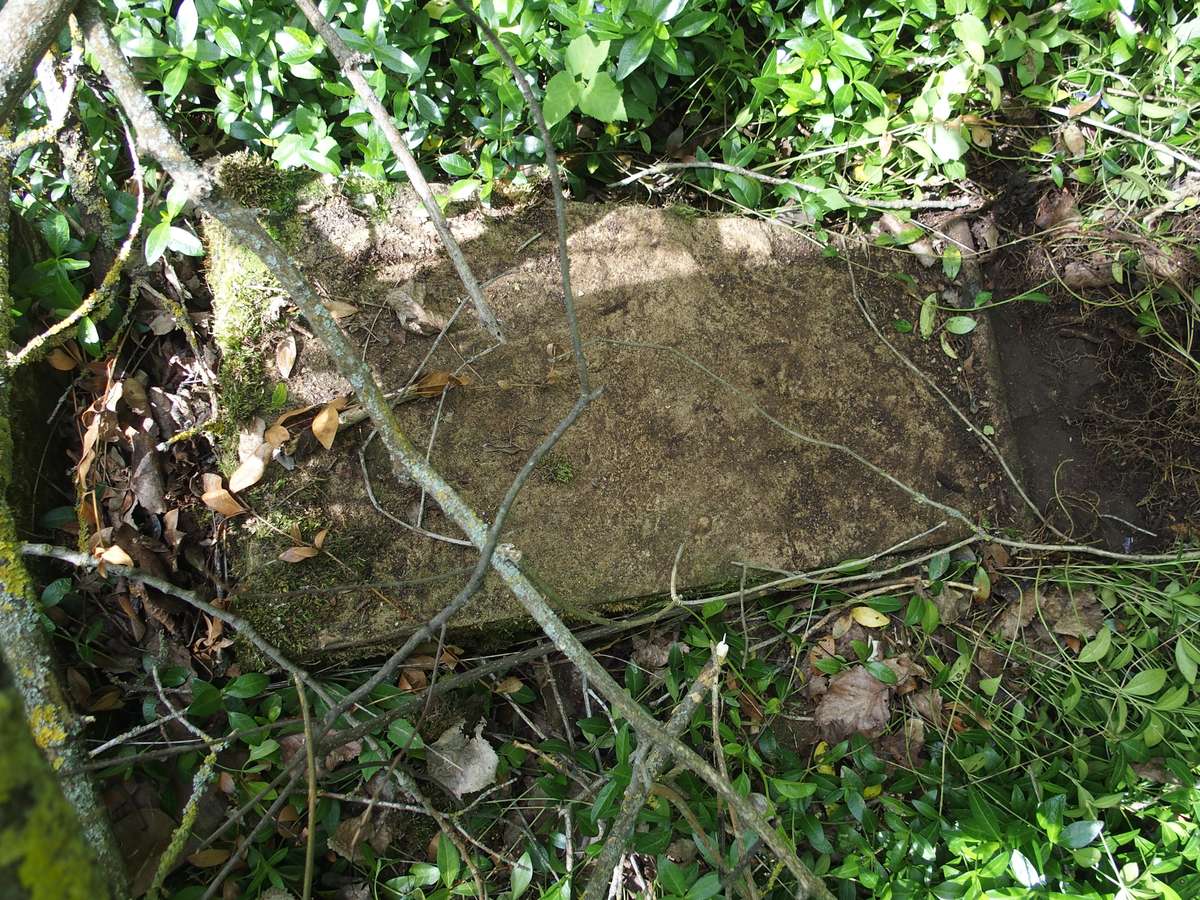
{"x":951,"y":262}
{"x":602,"y":100}
{"x":562,"y":93}
{"x":585,"y":56}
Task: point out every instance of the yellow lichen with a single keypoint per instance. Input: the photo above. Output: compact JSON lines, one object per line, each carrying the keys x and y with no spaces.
{"x":46,"y":726}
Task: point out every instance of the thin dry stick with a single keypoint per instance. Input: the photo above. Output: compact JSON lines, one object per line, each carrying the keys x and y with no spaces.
{"x":57,"y":332}
{"x":645,"y":769}
{"x":160,"y":143}
{"x":556,"y":191}
{"x":1158,"y":146}
{"x":310,"y":763}
{"x":960,"y":203}
{"x":351,"y":64}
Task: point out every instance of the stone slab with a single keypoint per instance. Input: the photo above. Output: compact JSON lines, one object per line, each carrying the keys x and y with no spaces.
{"x":698,"y":328}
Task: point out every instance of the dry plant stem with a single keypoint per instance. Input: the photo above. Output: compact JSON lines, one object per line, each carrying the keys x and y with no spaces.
{"x":936,"y":388}
{"x":960,"y":203}
{"x":158,"y":142}
{"x":61,"y":330}
{"x":310,"y":764}
{"x":352,"y":69}
{"x":645,"y":769}
{"x":1157,"y":146}
{"x":560,"y":206}
{"x":29,"y":28}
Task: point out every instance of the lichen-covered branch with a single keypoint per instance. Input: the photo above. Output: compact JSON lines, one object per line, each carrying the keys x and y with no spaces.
{"x":156,"y":141}
{"x":352,"y":69}
{"x":29,"y":27}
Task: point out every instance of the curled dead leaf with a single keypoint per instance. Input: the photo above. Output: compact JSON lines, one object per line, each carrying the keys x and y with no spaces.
{"x":285,"y":356}
{"x":298,"y":554}
{"x":319,"y":540}
{"x":461,"y":764}
{"x":115,"y":555}
{"x":431,"y":384}
{"x":1073,"y":140}
{"x":277,"y":435}
{"x":207,"y":859}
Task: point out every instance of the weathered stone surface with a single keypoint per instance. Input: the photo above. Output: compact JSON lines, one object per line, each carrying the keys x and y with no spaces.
{"x":668,"y":455}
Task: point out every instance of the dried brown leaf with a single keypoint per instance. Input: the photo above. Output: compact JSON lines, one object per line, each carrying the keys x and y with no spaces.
{"x":462,"y":765}
{"x":1073,"y":140}
{"x":319,"y":540}
{"x":339,"y":309}
{"x":856,"y":703}
{"x":509,"y":685}
{"x":431,"y":384}
{"x":250,"y":472}
{"x":60,"y":359}
{"x":285,"y":356}
{"x":207,"y":859}
{"x":1078,"y":109}
{"x":220,"y":500}
{"x":325,"y":425}
{"x":116,"y":556}
{"x":277,"y":435}
{"x":298,"y":554}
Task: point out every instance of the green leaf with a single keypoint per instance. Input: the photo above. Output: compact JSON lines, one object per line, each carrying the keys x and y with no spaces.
{"x":881,"y":672}
{"x":1097,"y":648}
{"x":206,"y":700}
{"x":456,"y":164}
{"x":704,"y":887}
{"x":946,"y":143}
{"x":974,"y":34}
{"x":246,"y":686}
{"x":634,"y":52}
{"x":793,"y":790}
{"x":53,"y":593}
{"x":156,"y":242}
{"x":424,"y":873}
{"x":951,"y":261}
{"x":522,"y":874}
{"x":57,"y":232}
{"x":848,"y":45}
{"x":602,"y":100}
{"x":960,"y":324}
{"x":183,"y":241}
{"x":1185,"y":659}
{"x":584,"y":57}
{"x":562,"y":94}
{"x":1080,"y":834}
{"x":89,"y":335}
{"x":402,"y":734}
{"x":448,"y":860}
{"x":175,"y":80}
{"x":265,"y":749}
{"x":186,"y":22}
{"x":1146,"y":683}
{"x":928,"y":318}
{"x":228,"y":40}
{"x":1025,"y":871}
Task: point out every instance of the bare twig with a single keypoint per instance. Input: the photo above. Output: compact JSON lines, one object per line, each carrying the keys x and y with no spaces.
{"x":351,"y":64}
{"x":960,"y":203}
{"x":1158,"y":146}
{"x":310,"y":763}
{"x":560,"y":206}
{"x":645,"y":769}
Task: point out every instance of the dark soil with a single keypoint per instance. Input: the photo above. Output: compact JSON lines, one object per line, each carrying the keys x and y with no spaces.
{"x":1096,"y":422}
